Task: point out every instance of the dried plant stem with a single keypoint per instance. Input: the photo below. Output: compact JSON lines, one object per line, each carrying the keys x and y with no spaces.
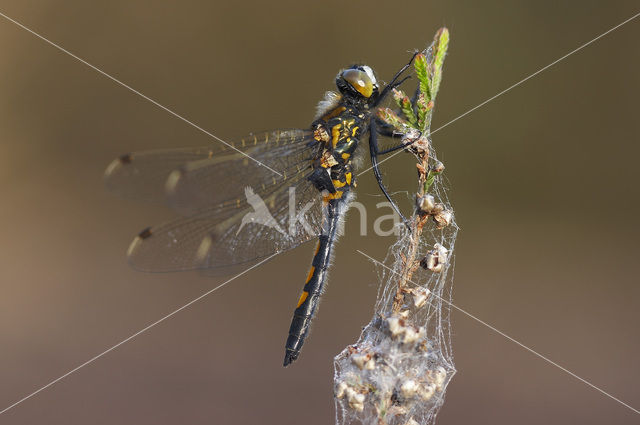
{"x":418,"y":220}
{"x":398,"y":370}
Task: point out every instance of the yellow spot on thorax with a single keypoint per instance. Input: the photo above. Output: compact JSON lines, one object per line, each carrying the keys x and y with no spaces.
{"x":338,"y":183}
{"x":335,"y":134}
{"x":334,"y":113}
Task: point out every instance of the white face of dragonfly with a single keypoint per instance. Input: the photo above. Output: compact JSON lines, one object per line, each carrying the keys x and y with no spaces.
{"x":371,"y":75}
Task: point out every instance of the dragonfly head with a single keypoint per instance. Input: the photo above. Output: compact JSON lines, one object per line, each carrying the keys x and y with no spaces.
{"x":359,"y":83}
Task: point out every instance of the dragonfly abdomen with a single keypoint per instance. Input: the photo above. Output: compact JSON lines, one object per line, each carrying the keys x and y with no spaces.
{"x":309,"y":300}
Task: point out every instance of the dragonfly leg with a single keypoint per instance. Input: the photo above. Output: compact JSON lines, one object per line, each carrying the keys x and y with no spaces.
{"x":374,"y":152}
{"x":394,"y":82}
{"x":400,"y":146}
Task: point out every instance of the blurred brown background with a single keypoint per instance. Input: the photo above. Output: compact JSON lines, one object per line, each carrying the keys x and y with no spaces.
{"x":544,"y":181}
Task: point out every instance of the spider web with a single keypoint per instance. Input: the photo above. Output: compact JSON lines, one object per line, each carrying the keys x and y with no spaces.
{"x":398,"y":370}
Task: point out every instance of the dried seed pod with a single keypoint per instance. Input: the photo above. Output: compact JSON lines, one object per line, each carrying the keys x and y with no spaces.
{"x":396,"y":410}
{"x":409,"y":388}
{"x":427,"y":391}
{"x":420,"y":296}
{"x":363,"y":361}
{"x":426,"y":203}
{"x":400,"y":330}
{"x":435,"y":259}
{"x":370,"y":365}
{"x":396,"y":326}
{"x":437,"y":377}
{"x":443,"y":218}
{"x":355,"y":399}
{"x":341,"y":389}
{"x":438,"y":167}
{"x":412,"y":334}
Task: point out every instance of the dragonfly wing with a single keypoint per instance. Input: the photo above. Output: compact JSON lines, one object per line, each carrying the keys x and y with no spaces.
{"x":142,"y":175}
{"x":220,"y":237}
{"x":275,"y":159}
{"x":235,"y":209}
{"x":200,"y":178}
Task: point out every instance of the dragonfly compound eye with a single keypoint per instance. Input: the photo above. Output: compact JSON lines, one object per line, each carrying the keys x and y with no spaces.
{"x":359,"y":80}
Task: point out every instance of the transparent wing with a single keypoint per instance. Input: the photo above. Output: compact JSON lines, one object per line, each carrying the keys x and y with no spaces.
{"x":220,"y":180}
{"x":144,"y":175}
{"x":236,"y":210}
{"x":218,"y":238}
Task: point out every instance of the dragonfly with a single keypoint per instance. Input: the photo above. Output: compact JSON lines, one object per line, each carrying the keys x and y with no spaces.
{"x":235,"y":209}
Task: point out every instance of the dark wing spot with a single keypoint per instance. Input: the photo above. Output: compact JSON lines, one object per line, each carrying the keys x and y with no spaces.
{"x":126,"y":158}
{"x":146,"y":233}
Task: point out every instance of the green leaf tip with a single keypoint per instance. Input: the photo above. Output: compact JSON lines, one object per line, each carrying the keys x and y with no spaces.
{"x":416,"y":112}
{"x":421,"y":66}
{"x":403,"y":102}
{"x":440,"y":46}
{"x":391,"y":118}
{"x":423,"y":106}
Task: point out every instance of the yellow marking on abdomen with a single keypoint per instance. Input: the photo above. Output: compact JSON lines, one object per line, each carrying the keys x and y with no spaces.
{"x":353,"y":132}
{"x":345,"y":156}
{"x":303,"y":298}
{"x":348,"y":178}
{"x":331,"y":196}
{"x":313,"y":269}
